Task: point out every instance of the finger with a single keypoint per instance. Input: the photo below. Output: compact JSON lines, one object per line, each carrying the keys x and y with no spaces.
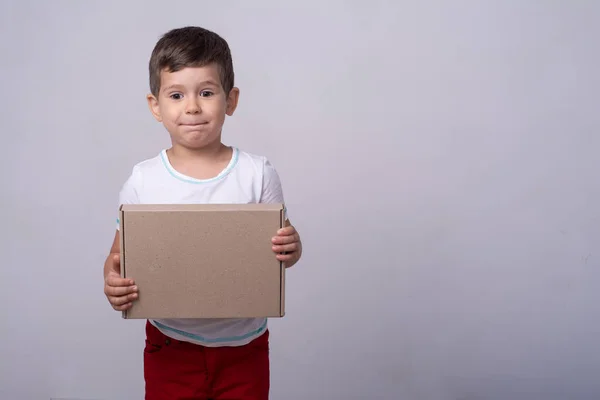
{"x":285,"y":256}
{"x":286,"y":248}
{"x":124,"y":307}
{"x":286,"y":239}
{"x":119,"y":290}
{"x":286,"y":259}
{"x":286,"y":231}
{"x":121,"y":300}
{"x":116,"y":280}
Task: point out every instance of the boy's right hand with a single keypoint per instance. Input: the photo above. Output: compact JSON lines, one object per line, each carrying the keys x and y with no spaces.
{"x":120,"y":292}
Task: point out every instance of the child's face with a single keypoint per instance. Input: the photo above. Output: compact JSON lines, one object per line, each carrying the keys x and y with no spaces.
{"x":192,"y":105}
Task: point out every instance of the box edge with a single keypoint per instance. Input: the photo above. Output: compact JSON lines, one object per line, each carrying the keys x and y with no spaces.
{"x":282,"y":267}
{"x":122,"y":248}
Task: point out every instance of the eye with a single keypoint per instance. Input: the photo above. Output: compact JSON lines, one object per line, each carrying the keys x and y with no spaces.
{"x":206,"y":93}
{"x":176,"y":96}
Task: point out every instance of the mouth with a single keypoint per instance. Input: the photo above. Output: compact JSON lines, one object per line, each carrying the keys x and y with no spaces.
{"x":195,"y":124}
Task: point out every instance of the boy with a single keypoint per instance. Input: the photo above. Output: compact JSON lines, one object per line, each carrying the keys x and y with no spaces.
{"x":192,"y":90}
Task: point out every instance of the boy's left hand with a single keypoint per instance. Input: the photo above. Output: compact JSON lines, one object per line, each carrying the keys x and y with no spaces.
{"x":287,"y":245}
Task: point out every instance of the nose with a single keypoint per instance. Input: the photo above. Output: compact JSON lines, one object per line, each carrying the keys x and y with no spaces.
{"x":192,"y":106}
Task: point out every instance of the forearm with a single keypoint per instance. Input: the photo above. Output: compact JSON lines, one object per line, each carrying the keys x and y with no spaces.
{"x":112,"y":261}
{"x":108,"y":264}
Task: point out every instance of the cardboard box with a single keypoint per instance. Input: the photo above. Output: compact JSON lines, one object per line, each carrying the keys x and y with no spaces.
{"x":203,"y":260}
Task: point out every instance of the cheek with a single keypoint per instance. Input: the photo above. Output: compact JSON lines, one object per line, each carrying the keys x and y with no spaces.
{"x":216,"y":111}
{"x":170,"y":114}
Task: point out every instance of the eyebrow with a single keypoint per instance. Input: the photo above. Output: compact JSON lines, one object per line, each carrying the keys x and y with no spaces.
{"x":203,"y":83}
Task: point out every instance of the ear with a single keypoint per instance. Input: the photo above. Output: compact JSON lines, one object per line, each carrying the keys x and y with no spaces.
{"x":153,"y":105}
{"x":232,"y":101}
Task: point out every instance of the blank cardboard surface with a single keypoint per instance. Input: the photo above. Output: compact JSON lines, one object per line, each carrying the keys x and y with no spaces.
{"x":202,"y":261}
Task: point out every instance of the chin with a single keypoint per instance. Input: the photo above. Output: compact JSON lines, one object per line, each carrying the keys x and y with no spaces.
{"x":194,"y":139}
{"x":198,"y":144}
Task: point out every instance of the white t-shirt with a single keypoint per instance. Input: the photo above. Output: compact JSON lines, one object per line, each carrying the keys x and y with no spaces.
{"x":248,"y":178}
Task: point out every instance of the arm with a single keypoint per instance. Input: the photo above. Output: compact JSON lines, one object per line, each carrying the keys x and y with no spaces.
{"x":113,"y":254}
{"x":286,"y":244}
{"x":120,"y":292}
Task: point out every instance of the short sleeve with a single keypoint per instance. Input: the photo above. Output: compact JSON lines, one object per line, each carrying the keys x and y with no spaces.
{"x":272,"y":191}
{"x":129,"y":191}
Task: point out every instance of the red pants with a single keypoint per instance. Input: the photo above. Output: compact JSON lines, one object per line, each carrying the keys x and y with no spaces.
{"x":176,"y":370}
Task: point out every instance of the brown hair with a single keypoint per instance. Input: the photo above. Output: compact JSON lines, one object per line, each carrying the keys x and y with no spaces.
{"x":190,"y":46}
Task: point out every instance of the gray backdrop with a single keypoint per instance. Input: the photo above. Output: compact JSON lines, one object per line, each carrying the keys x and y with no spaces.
{"x":439,"y":159}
